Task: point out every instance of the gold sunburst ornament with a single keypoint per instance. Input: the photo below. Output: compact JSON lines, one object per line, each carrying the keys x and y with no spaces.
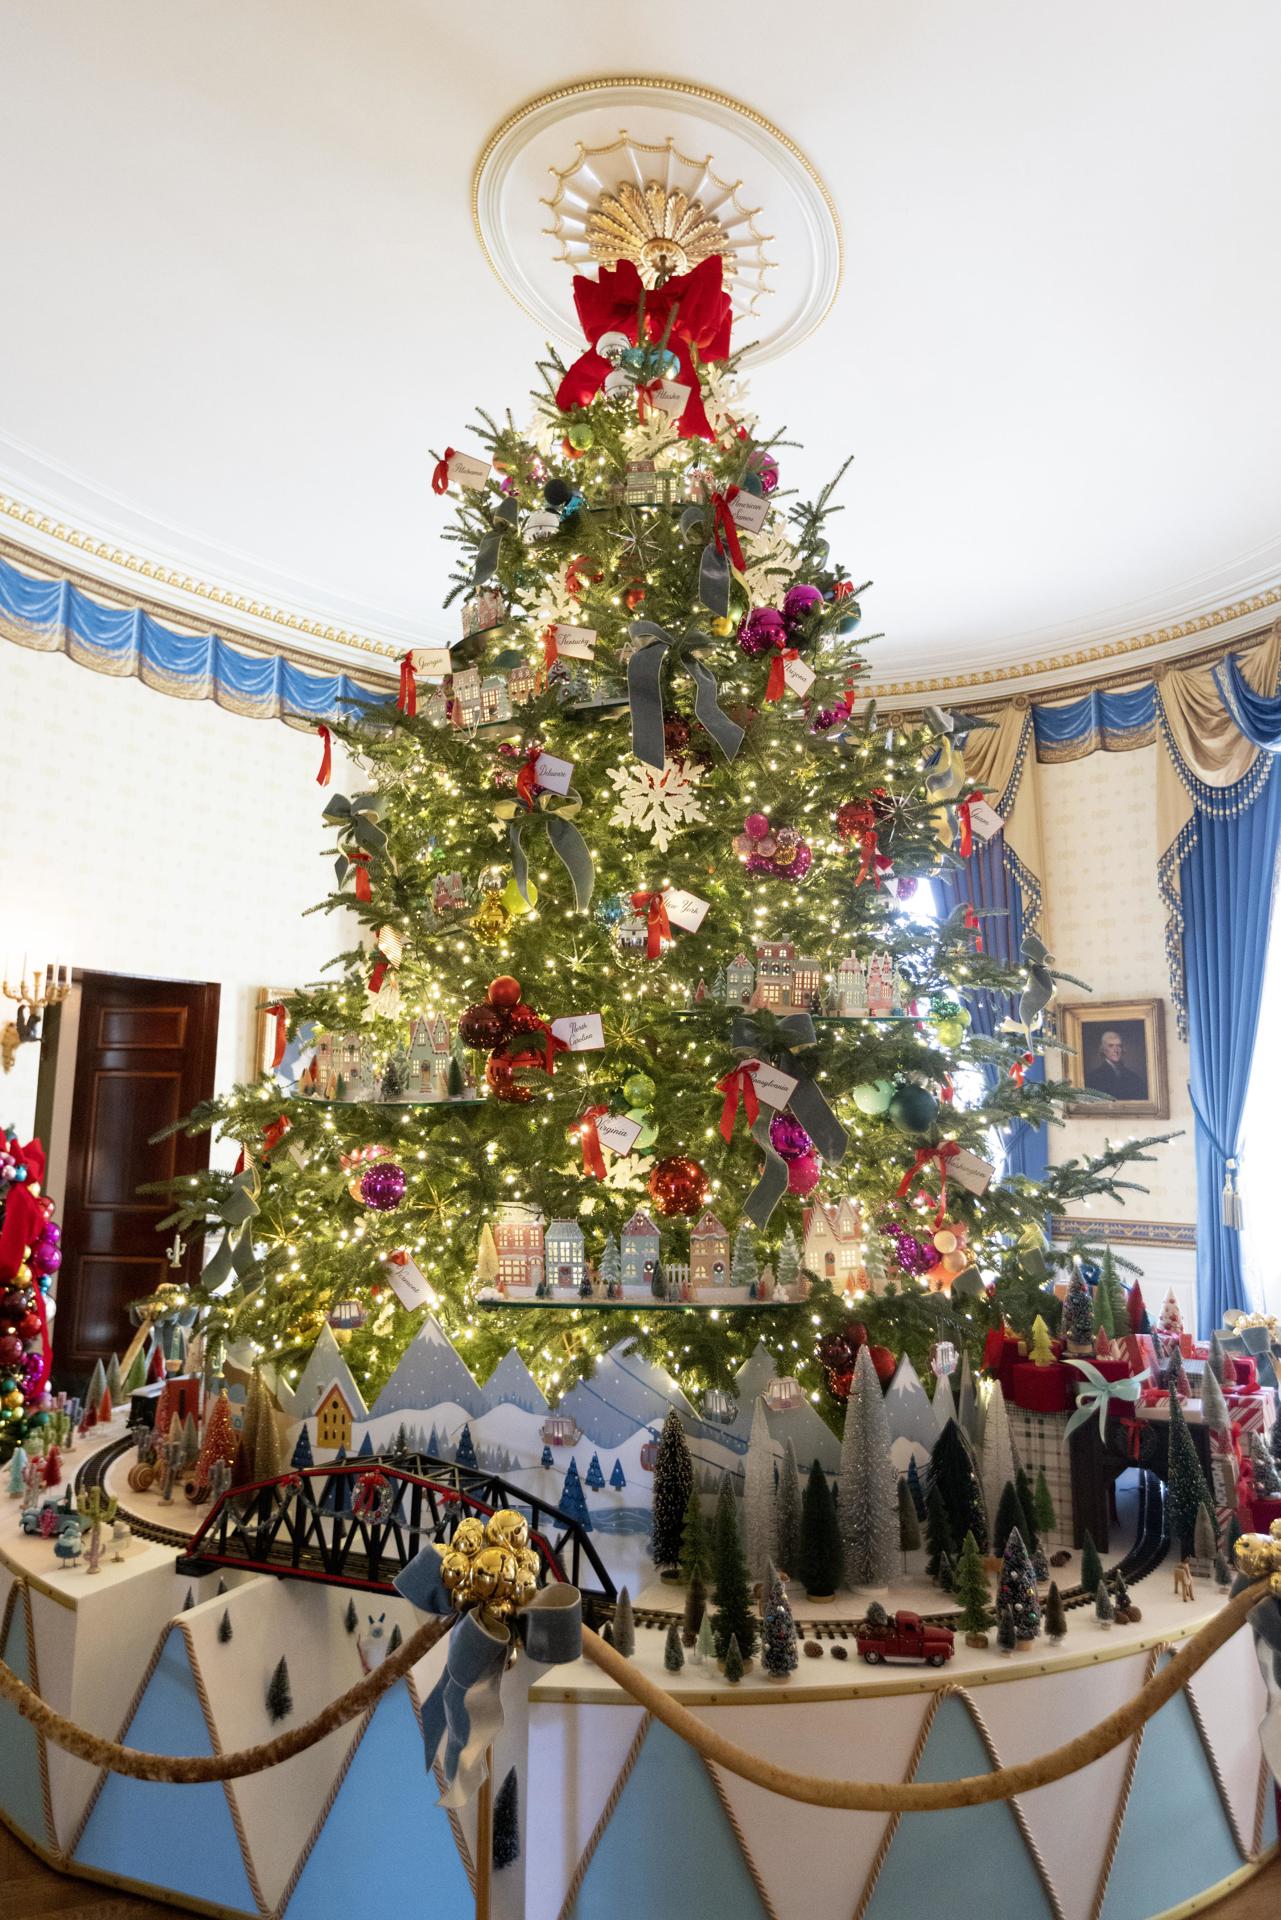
{"x":660,"y":231}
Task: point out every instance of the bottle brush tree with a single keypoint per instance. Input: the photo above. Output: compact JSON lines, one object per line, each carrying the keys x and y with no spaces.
{"x":939,"y":1542}
{"x":952,"y":1472}
{"x":507,"y":1822}
{"x":733,"y":1618}
{"x":673,"y":1652}
{"x":280,"y":1700}
{"x":733,"y":1660}
{"x":778,"y":1632}
{"x":970,"y":1589}
{"x":787,"y":1514}
{"x":1017,"y":1591}
{"x":1091,"y":1565}
{"x":821,"y":1557}
{"x":624,"y":1625}
{"x":909,"y":1526}
{"x":1104,"y":1611}
{"x":1043,"y":1505}
{"x":1055,"y":1618}
{"x":673,"y":1484}
{"x":1187,"y":1490}
{"x":695,"y":1607}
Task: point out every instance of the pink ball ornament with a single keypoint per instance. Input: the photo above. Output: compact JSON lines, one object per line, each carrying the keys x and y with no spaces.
{"x":756,"y":826}
{"x":803,"y":1174}
{"x":765,"y":467}
{"x":788,"y":1137}
{"x":382,"y":1187}
{"x":763,"y":629}
{"x":798,"y":605}
{"x":913,"y":1255}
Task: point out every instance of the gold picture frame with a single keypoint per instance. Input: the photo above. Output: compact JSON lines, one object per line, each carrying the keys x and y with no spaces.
{"x":1116,"y":1048}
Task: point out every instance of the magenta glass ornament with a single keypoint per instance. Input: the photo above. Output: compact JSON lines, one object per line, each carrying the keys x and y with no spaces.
{"x":756,"y":826}
{"x":913,"y":1255}
{"x":803,"y":1174}
{"x":798,"y":604}
{"x":765,"y":467}
{"x":32,"y":1372}
{"x":762,"y":630}
{"x":788,"y":1137}
{"x":383,"y":1186}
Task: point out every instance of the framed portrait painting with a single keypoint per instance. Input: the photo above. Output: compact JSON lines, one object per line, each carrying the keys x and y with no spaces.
{"x":1116,"y":1048}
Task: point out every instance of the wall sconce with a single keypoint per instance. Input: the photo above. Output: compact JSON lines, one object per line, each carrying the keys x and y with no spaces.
{"x":33,"y":993}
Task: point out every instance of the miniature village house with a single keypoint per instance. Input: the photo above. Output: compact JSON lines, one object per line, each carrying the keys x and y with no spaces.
{"x":565,"y":1257}
{"x":709,"y":1253}
{"x":518,"y":1237}
{"x":333,"y":1419}
{"x":833,"y":1245}
{"x":639,"y":1246}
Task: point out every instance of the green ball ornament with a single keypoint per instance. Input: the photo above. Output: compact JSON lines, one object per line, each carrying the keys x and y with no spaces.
{"x":638,"y":1090}
{"x":913,"y":1109}
{"x":648,"y":1131}
{"x":515,"y":902}
{"x":950,"y":1033}
{"x":873,"y":1096}
{"x":580,"y":436}
{"x":39,"y":1419}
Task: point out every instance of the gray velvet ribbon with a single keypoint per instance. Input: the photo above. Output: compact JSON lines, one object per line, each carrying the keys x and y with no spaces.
{"x":357,"y":821}
{"x":235,"y":1254}
{"x":504,"y":518}
{"x":1265,"y":1623}
{"x":464,"y":1710}
{"x":555,"y":811}
{"x":782,"y":1042}
{"x":645,"y":692}
{"x":1038,"y":990}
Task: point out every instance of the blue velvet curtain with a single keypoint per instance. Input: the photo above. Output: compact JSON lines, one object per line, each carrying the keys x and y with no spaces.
{"x":984,"y":881}
{"x":1226,"y":882}
{"x":1096,"y":722}
{"x":1257,"y":714}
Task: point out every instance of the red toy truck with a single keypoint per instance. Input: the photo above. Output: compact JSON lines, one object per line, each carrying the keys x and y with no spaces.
{"x":904,"y":1637}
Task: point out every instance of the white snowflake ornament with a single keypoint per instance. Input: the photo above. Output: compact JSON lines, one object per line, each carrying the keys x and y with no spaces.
{"x":659,"y":804}
{"x":628,"y":1171}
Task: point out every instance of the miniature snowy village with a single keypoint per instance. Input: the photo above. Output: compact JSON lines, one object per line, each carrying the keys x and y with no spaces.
{"x":779,"y":978}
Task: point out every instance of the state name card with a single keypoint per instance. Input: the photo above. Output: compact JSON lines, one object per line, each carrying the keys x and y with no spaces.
{"x":970,"y":1170}
{"x":750,"y":510}
{"x":575,"y":643}
{"x":433,"y":661}
{"x":617,"y":1132}
{"x":985,"y":820}
{"x":684,"y":910}
{"x":670,"y":396}
{"x":797,"y":677}
{"x":775,"y":1089}
{"x":581,"y":1032}
{"x":407,"y":1283}
{"x":466,"y":471}
{"x":552,"y":774}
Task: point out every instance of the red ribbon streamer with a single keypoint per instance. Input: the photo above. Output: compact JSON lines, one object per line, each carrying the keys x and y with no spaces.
{"x":326,"y":757}
{"x":972,"y":926}
{"x":700,"y":313}
{"x":527,"y":779}
{"x":407,"y":698}
{"x":278,"y":1050}
{"x":553,"y":1044}
{"x":966,"y":844}
{"x":440,"y":478}
{"x":1020,"y":1067}
{"x":945,"y":1150}
{"x":739,"y":1086}
{"x":645,"y":391}
{"x":379,"y":974}
{"x":867,"y":852}
{"x":360,"y":866}
{"x":723,"y":522}
{"x":551,"y":652}
{"x":659,"y":927}
{"x":593,"y":1158}
{"x":577,"y":580}
{"x":273,"y":1134}
{"x":776,"y":685}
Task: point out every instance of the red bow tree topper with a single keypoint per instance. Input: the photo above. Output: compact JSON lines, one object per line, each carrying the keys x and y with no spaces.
{"x":611,"y":304}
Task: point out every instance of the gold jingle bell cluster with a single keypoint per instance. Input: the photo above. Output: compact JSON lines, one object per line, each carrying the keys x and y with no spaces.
{"x":1259,"y":1556}
{"x":490,"y":1565}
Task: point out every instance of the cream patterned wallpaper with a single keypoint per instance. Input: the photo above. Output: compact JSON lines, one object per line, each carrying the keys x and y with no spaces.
{"x":1105,"y":922}
{"x":156,"y":836}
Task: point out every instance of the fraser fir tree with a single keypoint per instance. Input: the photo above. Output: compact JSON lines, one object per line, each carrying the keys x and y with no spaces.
{"x":733,"y":1616}
{"x":970,"y":1588}
{"x":1187,"y":1491}
{"x":559,"y":534}
{"x":821,"y":1556}
{"x":787,"y":1514}
{"x":673,"y":1484}
{"x":867,"y":1504}
{"x":778,"y":1631}
{"x":1017,"y":1592}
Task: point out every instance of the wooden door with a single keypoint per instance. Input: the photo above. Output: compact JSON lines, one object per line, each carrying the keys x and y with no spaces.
{"x":145,"y":1058}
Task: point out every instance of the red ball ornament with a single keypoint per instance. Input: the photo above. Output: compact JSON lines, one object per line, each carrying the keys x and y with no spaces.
{"x":854,"y":818}
{"x":678,"y":1185}
{"x":633,"y":598}
{"x":504,"y":992}
{"x":502,"y":1083}
{"x":11,"y":1350}
{"x":482,"y":1027}
{"x":29,"y":1326}
{"x":523,"y":1019}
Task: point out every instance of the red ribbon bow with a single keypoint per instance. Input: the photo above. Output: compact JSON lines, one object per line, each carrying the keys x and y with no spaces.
{"x":723,"y":522}
{"x":1020,"y":1067}
{"x":965,"y":845}
{"x":577,"y":579}
{"x":407,"y":698}
{"x":551,"y":652}
{"x":776,"y":684}
{"x":739,"y":1086}
{"x":972,"y":925}
{"x":700,"y":313}
{"x":546,"y":1060}
{"x":360,"y":866}
{"x":278,"y":1050}
{"x":274,"y":1133}
{"x":593,"y":1158}
{"x":659,"y":927}
{"x":326,"y":757}
{"x":945,"y":1150}
{"x":527,"y":778}
{"x":645,"y":391}
{"x":440,"y":478}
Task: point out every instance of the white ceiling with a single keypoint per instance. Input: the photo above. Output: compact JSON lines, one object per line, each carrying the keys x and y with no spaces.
{"x":242,"y":294}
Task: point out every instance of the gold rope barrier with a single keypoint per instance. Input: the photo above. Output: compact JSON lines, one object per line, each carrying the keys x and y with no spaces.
{"x":864,"y":1796}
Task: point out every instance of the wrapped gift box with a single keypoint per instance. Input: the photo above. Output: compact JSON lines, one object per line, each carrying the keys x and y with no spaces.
{"x":1002,"y":1352}
{"x":1259,"y":1515}
{"x":1042,"y":1389}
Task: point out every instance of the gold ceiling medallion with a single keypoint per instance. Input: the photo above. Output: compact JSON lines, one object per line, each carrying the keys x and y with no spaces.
{"x":665,"y":218}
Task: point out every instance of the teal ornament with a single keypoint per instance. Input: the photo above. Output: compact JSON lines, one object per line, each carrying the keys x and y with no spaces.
{"x":650,"y":361}
{"x":751,"y":483}
{"x":873,"y":1096}
{"x":913,"y":1109}
{"x":610,"y":910}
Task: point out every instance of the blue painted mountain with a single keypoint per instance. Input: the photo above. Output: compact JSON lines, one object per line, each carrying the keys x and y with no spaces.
{"x":804,"y":1426}
{"x":325,"y":1363}
{"x":626,"y":1392}
{"x":512,"y":1384}
{"x":429,"y":1374}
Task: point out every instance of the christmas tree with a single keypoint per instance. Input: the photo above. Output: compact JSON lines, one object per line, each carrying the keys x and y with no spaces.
{"x":465,"y":1452}
{"x":1027,"y":1507}
{"x":695,"y":1556}
{"x":573,"y":1500}
{"x":778,"y":1631}
{"x":998,"y":1454}
{"x":351,"y":1619}
{"x":506,"y":1844}
{"x":1009,"y":1517}
{"x":914,"y":1487}
{"x":758,"y":1496}
{"x":1006,"y":1632}
{"x":733,"y":1616}
{"x":695,"y":1606}
{"x":1043,"y":1505}
{"x":280,"y":1699}
{"x":1091,"y":1565}
{"x":1078,"y":1316}
{"x":1103,"y":1321}
{"x":821,"y":1558}
{"x":952,"y":1472}
{"x":673,"y":1484}
{"x":614,"y":556}
{"x":1171,"y":1321}
{"x":617,"y":1478}
{"x":1041,"y":1352}
{"x":1111,"y":1280}
{"x":744,"y":1266}
{"x":1104,"y":1611}
{"x":867,"y":1501}
{"x":624,"y":1624}
{"x":940,"y":1544}
{"x":595,"y":1475}
{"x":787,"y":1514}
{"x":673,"y":1652}
{"x":909,"y":1526}
{"x":1187,"y":1491}
{"x":1055,"y":1613}
{"x":219,"y":1442}
{"x":969,"y":1585}
{"x":224,"y":1627}
{"x":1017,"y":1592}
